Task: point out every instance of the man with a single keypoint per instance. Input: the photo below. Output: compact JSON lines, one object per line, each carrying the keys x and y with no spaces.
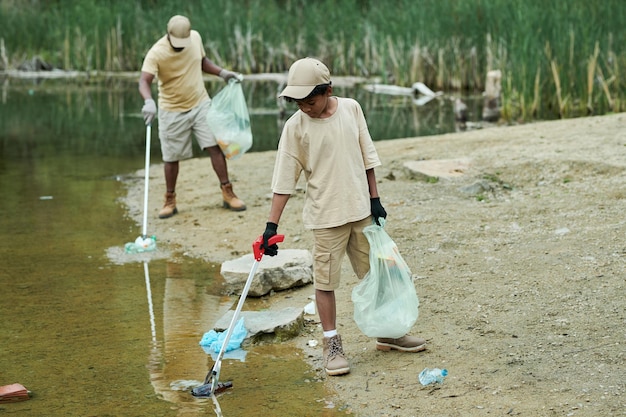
{"x":178,"y":60}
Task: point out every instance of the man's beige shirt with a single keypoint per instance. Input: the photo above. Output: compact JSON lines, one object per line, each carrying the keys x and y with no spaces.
{"x":181,"y":86}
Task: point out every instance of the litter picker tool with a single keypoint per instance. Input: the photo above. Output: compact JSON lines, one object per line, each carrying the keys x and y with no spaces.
{"x":144,"y":243}
{"x":211,"y":382}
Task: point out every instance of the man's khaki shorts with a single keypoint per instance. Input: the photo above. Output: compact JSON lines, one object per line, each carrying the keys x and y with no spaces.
{"x":175,"y":129}
{"x":331,"y":245}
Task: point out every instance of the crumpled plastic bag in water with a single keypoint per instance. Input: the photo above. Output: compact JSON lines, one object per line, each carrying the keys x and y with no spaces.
{"x":214,"y":340}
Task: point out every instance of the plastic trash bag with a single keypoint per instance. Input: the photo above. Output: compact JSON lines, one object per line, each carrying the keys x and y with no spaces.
{"x":229,"y":120}
{"x":385,"y":301}
{"x":214,"y":340}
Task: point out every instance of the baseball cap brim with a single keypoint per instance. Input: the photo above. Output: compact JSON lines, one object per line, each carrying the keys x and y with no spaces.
{"x":297,"y":91}
{"x":180,"y":42}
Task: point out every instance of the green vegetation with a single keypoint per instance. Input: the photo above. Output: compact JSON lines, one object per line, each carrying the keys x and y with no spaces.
{"x":565,"y":57}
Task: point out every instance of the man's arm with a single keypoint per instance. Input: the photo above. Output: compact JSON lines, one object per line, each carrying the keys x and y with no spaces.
{"x":145,"y":82}
{"x":209,"y":67}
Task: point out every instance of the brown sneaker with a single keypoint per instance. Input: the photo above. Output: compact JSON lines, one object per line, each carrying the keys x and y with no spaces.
{"x":335,"y":362}
{"x":230,"y":199}
{"x":169,"y":208}
{"x":405,"y":343}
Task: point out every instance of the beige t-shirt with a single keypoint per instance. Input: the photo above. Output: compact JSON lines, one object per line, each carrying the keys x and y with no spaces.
{"x":333,"y":153}
{"x":181,"y":86}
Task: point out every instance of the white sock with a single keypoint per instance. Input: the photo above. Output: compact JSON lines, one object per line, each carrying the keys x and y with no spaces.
{"x":330,"y":333}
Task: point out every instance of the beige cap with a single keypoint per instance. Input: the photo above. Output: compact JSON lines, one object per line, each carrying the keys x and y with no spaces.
{"x":304,"y":75}
{"x":179,"y":30}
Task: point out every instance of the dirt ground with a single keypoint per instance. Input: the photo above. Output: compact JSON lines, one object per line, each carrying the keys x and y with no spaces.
{"x":521,"y":285}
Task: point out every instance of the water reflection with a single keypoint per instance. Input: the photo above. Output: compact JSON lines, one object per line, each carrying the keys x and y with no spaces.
{"x":187,"y":312}
{"x":107,"y":114}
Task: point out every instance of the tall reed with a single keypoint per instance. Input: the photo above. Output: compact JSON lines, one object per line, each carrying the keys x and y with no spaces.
{"x":447,"y":44}
{"x":591,"y":71}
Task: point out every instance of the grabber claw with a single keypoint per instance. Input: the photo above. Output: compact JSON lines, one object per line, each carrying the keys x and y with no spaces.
{"x":206,"y":390}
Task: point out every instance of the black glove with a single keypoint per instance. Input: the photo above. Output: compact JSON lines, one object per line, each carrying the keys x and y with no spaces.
{"x":270,"y":230}
{"x":377,"y":209}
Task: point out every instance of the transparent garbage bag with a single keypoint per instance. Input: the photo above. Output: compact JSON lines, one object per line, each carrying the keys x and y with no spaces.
{"x":229,"y":120}
{"x":385,"y":301}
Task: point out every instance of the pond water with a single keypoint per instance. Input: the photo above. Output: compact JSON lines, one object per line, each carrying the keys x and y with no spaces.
{"x":92,"y":337}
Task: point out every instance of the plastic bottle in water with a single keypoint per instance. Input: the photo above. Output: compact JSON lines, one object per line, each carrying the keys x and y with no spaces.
{"x":430,"y":376}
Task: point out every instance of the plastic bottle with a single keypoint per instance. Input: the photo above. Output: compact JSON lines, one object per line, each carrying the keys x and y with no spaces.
{"x":430,"y":376}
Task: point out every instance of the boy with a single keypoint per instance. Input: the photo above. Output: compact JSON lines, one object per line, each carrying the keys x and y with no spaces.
{"x":329,"y":141}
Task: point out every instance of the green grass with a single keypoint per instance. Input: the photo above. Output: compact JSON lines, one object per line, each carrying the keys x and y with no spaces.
{"x":564,"y":57}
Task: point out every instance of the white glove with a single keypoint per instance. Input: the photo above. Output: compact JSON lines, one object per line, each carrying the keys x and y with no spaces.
{"x":227,"y":75}
{"x":148,"y":111}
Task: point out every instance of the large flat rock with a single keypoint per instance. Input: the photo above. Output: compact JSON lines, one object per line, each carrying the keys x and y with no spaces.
{"x":290,"y":268}
{"x":437,"y":168}
{"x":273,"y":326}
